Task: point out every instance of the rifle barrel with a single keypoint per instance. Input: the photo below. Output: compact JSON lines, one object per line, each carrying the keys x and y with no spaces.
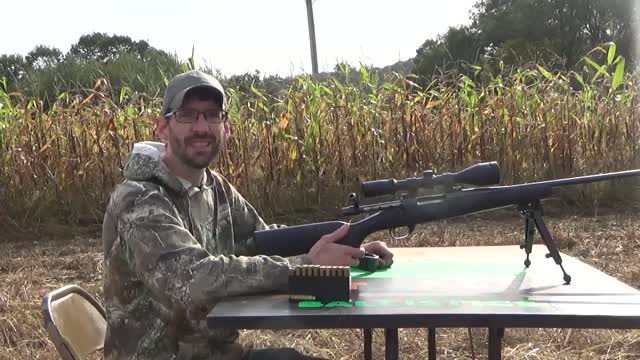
{"x":591,"y":178}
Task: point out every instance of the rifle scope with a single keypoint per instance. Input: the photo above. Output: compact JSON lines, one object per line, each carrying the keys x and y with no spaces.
{"x":482,"y":174}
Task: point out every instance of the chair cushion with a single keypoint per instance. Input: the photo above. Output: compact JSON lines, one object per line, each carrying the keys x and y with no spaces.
{"x":79,"y":323}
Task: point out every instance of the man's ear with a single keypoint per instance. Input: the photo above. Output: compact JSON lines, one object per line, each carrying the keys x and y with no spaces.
{"x":161,"y":128}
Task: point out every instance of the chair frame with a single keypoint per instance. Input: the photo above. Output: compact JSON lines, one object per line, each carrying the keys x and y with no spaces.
{"x":59,"y":341}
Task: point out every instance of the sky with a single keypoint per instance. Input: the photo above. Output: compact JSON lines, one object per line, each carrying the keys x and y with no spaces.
{"x":239,"y":36}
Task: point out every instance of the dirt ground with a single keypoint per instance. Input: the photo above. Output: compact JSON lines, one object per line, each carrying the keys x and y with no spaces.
{"x":611,"y":243}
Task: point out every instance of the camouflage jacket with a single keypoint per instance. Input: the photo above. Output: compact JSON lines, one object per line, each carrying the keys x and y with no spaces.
{"x":170,"y":253}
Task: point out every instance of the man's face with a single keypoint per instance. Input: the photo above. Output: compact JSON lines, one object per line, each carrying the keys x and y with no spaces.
{"x":195,"y":143}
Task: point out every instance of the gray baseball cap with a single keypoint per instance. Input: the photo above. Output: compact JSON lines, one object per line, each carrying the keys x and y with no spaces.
{"x":182,"y":83}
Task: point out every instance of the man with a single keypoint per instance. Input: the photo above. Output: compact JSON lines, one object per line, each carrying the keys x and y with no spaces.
{"x":178,"y":237}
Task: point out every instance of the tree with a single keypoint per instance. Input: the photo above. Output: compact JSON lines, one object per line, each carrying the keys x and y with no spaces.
{"x":458,"y":44}
{"x":102,"y":47}
{"x":566,"y":28}
{"x":43,"y":56}
{"x":12,"y":67}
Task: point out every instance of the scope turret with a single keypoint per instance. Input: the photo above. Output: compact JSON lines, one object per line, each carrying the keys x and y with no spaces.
{"x":482,"y":174}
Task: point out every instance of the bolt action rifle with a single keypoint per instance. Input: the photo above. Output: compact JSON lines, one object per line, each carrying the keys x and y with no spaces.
{"x":412,"y":209}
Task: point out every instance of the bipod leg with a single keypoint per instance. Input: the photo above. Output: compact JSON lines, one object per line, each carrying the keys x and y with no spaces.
{"x":529,"y":232}
{"x":548,"y":240}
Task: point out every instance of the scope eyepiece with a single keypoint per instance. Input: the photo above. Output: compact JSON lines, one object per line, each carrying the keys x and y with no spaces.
{"x":379,"y":187}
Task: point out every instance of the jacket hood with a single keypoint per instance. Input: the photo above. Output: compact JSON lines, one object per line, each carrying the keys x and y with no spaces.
{"x":144,"y":164}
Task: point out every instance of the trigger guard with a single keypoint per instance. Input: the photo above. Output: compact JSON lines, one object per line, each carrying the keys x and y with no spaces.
{"x":409,"y":233}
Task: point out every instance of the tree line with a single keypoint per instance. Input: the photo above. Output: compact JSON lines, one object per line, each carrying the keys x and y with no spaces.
{"x":512,"y":33}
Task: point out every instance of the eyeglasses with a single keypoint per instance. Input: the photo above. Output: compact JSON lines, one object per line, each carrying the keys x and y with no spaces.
{"x":190,"y":116}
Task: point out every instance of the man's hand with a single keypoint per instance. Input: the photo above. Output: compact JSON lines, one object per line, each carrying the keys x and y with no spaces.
{"x":380,"y":248}
{"x":326,"y":252}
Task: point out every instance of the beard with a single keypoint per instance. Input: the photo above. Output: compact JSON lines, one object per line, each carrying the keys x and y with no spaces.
{"x":196,"y":158}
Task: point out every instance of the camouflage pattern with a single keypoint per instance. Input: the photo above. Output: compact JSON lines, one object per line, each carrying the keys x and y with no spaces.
{"x":170,"y":254}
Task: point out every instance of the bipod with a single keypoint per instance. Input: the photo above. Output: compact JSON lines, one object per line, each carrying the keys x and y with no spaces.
{"x":532,"y":213}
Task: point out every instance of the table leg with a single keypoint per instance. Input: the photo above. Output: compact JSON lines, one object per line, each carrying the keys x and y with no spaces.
{"x":432,"y":344}
{"x":495,"y":343}
{"x":391,"y":344}
{"x":368,"y":351}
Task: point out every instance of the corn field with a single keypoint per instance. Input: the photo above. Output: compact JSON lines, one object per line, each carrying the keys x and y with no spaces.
{"x":308,"y":148}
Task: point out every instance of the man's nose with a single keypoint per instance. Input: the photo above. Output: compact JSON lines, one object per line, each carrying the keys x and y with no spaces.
{"x":200,"y":124}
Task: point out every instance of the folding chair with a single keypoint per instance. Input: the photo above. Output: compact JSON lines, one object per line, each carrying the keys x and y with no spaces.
{"x":75,"y":321}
